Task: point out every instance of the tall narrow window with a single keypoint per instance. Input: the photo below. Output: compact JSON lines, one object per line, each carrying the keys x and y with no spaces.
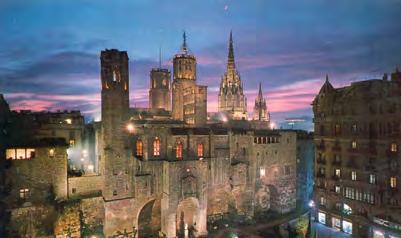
{"x":178,"y":150}
{"x":337,"y":173}
{"x":372,"y":179}
{"x":393,"y":182}
{"x":156,"y":147}
{"x":393,"y":147}
{"x":200,"y":150}
{"x":353,"y":145}
{"x":139,"y":148}
{"x":353,"y":175}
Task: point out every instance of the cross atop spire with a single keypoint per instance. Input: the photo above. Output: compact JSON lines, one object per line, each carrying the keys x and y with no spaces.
{"x":184,"y":43}
{"x":231,"y":61}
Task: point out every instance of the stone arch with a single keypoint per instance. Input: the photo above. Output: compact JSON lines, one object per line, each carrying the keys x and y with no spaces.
{"x":187,"y":218}
{"x":149,"y":219}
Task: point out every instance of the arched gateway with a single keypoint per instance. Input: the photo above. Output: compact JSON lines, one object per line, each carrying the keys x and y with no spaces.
{"x":188,"y":215}
{"x":149,"y":219}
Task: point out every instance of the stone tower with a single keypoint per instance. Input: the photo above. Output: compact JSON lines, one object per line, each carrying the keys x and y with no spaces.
{"x":232,"y":100}
{"x":160,"y":93}
{"x":260,"y":112}
{"x":115,"y":107}
{"x":189,"y":99}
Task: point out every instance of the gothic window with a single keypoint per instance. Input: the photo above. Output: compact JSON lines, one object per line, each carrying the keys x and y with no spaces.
{"x":51,"y":153}
{"x":139,"y":148}
{"x":354,"y":129}
{"x":178,"y":150}
{"x":200,"y":150}
{"x":337,"y":129}
{"x":372,"y":179}
{"x":156,"y":146}
{"x":353,"y":175}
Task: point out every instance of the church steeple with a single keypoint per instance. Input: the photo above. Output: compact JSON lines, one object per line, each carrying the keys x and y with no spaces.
{"x":260,"y":112}
{"x":231,"y":61}
{"x":260,"y":94}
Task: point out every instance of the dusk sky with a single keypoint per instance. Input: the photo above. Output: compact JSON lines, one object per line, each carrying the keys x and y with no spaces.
{"x":49,"y":50}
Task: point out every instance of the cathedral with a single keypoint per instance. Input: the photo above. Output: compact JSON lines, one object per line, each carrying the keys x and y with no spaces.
{"x":167,"y":169}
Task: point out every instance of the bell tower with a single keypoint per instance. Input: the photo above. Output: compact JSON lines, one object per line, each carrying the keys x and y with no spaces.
{"x":115,"y":107}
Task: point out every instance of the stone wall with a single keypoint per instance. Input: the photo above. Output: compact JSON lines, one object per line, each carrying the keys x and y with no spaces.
{"x":84,"y":186}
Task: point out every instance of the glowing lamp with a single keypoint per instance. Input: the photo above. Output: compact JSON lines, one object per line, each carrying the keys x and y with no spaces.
{"x":130,"y":128}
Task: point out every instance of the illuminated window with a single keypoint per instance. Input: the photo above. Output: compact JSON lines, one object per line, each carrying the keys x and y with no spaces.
{"x":338,"y":172}
{"x":24,"y":193}
{"x":372,"y":179}
{"x":347,"y":209}
{"x":51,"y":153}
{"x":178,"y":150}
{"x":337,"y":189}
{"x":393,"y":147}
{"x":262,"y":172}
{"x":68,"y":121}
{"x":21,"y":154}
{"x":30,"y":153}
{"x":393,"y":182}
{"x":322,"y":201}
{"x":353,"y":145}
{"x":353,"y":175}
{"x":156,"y":147}
{"x":139,"y":148}
{"x":322,"y":217}
{"x":11,"y":154}
{"x":72,"y":142}
{"x":200,"y":150}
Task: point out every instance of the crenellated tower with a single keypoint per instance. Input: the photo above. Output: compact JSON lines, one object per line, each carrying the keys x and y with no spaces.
{"x":115,"y":108}
{"x":260,"y":112}
{"x":189,"y":99}
{"x":160,"y":92}
{"x":232,"y":100}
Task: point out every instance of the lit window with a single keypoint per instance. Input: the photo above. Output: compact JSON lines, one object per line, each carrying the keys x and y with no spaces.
{"x":72,"y":142}
{"x":10,"y":154}
{"x":200,"y":150}
{"x":338,"y":172}
{"x":393,"y":147}
{"x":262,"y":172}
{"x":322,"y":217}
{"x":68,"y":121}
{"x":156,"y":147}
{"x":337,"y":189}
{"x":393,"y":182}
{"x":30,"y":153}
{"x":322,"y":201}
{"x":353,"y":175}
{"x":347,"y":209}
{"x":353,"y":145}
{"x":139,"y":148}
{"x":21,"y":154}
{"x":372,"y":179}
{"x":178,"y":150}
{"x":24,"y":193}
{"x":347,"y":227}
{"x":51,"y":153}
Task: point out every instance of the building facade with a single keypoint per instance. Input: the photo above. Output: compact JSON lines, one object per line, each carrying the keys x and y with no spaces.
{"x":232,"y":100}
{"x":357,"y":139}
{"x":156,"y":171}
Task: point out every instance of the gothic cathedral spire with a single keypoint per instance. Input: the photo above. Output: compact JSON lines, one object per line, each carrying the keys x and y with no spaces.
{"x":232,"y":100}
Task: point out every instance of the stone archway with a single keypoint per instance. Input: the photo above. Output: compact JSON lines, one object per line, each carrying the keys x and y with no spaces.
{"x":188,"y":214}
{"x":274,"y":198}
{"x":149,"y":219}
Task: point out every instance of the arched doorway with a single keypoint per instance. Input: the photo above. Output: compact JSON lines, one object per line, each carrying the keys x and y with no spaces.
{"x":187,"y":217}
{"x":149,"y":219}
{"x":262,"y":198}
{"x":274,"y":198}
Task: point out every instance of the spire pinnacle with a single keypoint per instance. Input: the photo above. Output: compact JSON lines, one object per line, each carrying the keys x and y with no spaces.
{"x":327,"y":77}
{"x":231,"y":62}
{"x":184,"y":43}
{"x":260,"y":90}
